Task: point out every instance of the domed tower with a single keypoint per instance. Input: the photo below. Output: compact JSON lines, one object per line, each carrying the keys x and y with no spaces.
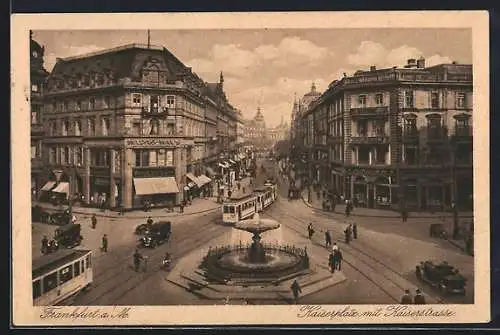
{"x":36,"y":56}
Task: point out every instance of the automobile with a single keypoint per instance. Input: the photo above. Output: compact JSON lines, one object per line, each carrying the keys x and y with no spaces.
{"x":142,"y":228}
{"x":68,"y":235}
{"x":443,"y":276}
{"x":437,"y":230}
{"x":157,"y":234}
{"x":59,"y":218}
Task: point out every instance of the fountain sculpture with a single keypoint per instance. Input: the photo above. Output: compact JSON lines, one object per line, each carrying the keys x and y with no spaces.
{"x":256,"y":263}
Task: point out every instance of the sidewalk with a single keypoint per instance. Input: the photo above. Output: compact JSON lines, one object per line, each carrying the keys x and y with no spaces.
{"x":425,"y":218}
{"x":376,"y":212}
{"x":199,"y":205}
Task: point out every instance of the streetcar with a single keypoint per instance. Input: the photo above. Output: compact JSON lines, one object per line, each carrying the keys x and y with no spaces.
{"x":61,"y":275}
{"x":273,"y":186}
{"x":236,"y":209}
{"x":265,"y":197}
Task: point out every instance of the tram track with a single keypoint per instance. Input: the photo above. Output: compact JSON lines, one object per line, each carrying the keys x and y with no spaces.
{"x":378,"y":272}
{"x":128,"y":283}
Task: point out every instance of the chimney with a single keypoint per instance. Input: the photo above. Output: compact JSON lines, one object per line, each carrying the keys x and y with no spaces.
{"x":373,"y":68}
{"x":421,"y":63}
{"x":412,"y":62}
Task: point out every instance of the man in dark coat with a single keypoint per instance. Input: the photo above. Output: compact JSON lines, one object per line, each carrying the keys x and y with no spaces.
{"x":406,"y":299}
{"x":105,"y":243}
{"x":354,"y":230}
{"x":337,"y":256}
{"x":347,"y":235}
{"x":310,"y":230}
{"x":94,"y":221}
{"x":328,"y":239}
{"x":45,"y":244}
{"x":331,"y":262}
{"x":295,"y":287}
{"x":419,"y":298}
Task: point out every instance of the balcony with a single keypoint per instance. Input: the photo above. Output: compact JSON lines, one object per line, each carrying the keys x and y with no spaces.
{"x":369,"y":139}
{"x":370,"y":112}
{"x":148,"y":111}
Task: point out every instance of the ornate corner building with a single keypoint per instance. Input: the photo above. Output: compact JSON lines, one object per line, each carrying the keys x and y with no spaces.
{"x":131,"y":124}
{"x":390,"y":137}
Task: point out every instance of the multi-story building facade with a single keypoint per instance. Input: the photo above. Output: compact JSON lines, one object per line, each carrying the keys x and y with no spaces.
{"x":132,"y":124}
{"x":392,"y":137}
{"x":37,"y":80}
{"x":256,"y":130}
{"x":278,"y":133}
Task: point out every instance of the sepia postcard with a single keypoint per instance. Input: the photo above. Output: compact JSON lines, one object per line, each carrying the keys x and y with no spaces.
{"x":250,"y":168}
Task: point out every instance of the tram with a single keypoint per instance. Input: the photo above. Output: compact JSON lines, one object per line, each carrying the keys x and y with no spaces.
{"x":61,"y":275}
{"x":265,"y":197}
{"x":236,"y":209}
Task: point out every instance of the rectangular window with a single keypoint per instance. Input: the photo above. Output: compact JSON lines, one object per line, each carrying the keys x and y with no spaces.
{"x":76,"y":268}
{"x":65,"y":274}
{"x":34,"y":88}
{"x":89,"y":260}
{"x":65,"y":106}
{"x":49,"y":282}
{"x":144,"y":158}
{"x":362,"y":100}
{"x":106,"y":101}
{"x":152,"y":158}
{"x":91,"y":124}
{"x":379,"y":99}
{"x":83,"y":265}
{"x":52,"y":155}
{"x":408,"y":95}
{"x":78,"y":127}
{"x":169,"y":161}
{"x":161,"y":157}
{"x":379,"y":128}
{"x":33,"y":151}
{"x":363,"y":156}
{"x":136,"y":99}
{"x":37,"y":289}
{"x":79,"y":156}
{"x":78,"y":105}
{"x":106,"y":126}
{"x":460,"y":100}
{"x":434,"y":100}
{"x":170,"y":101}
{"x":34,"y":117}
{"x":92,"y":103}
{"x":137,"y":157}
{"x":362,"y":128}
{"x":65,"y":127}
{"x":410,"y":127}
{"x":136,"y":128}
{"x":170,"y":128}
{"x":411,"y":155}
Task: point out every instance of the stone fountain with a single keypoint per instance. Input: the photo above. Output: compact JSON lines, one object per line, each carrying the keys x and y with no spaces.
{"x":256,"y":226}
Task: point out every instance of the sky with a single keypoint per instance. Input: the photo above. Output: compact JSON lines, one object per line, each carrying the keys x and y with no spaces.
{"x":269,"y":66}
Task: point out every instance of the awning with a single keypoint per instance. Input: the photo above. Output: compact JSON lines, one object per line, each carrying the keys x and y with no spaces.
{"x":63,"y":187}
{"x":242,"y":156}
{"x":224,"y":165}
{"x":191,"y":184}
{"x":236,"y":159}
{"x":210,"y":171}
{"x":48,"y":186}
{"x":163,"y":185}
{"x":58,"y":174}
{"x":204,"y":180}
{"x":192,"y":177}
{"x":232,"y":162}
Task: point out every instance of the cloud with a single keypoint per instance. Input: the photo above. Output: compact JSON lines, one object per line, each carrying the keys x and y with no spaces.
{"x":290,"y":52}
{"x":372,"y":53}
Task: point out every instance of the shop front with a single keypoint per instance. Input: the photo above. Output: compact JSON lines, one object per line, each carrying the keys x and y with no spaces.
{"x":156,"y":191}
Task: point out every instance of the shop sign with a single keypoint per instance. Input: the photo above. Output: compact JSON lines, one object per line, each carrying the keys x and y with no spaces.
{"x":154,"y":172}
{"x":149,"y":142}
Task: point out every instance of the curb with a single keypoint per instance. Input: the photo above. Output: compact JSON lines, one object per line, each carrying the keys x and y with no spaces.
{"x":117,"y":216}
{"x":376,"y":216}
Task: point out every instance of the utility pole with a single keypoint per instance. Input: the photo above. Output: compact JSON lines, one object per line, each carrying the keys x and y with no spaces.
{"x":149,"y":39}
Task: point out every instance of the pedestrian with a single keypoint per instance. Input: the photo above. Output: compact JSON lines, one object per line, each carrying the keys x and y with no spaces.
{"x":347,"y":208}
{"x":407,"y":298}
{"x":181,"y":207}
{"x":338,"y":259}
{"x":105,"y":243}
{"x":419,"y":298}
{"x":328,"y":239}
{"x":335,"y":246}
{"x":404,"y":215}
{"x":295,"y":287}
{"x":73,"y":218}
{"x":137,"y":260}
{"x":122,"y":209}
{"x":310,"y":230}
{"x":94,"y":221}
{"x":354,"y":230}
{"x":45,"y":244}
{"x":347,"y":235}
{"x":331,"y":262}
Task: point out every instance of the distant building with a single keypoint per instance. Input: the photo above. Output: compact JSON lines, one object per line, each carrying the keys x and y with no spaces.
{"x":279,"y":133}
{"x":38,"y":74}
{"x":133,"y":124}
{"x":391,"y":137}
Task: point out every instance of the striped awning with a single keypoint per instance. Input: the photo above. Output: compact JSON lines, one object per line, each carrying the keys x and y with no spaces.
{"x":48,"y":186}
{"x":224,"y":165}
{"x":232,"y":162}
{"x":63,"y":187}
{"x":162,"y":185}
